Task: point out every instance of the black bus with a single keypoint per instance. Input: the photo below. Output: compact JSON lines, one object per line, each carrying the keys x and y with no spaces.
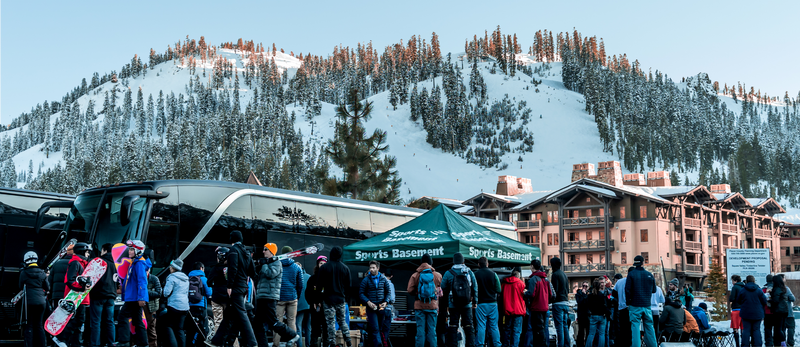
{"x":18,"y":235}
{"x":190,"y":218}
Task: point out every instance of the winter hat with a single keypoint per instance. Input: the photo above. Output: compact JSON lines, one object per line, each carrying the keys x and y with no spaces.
{"x":618,"y":276}
{"x":769,"y":279}
{"x":675,"y":282}
{"x":30,"y":258}
{"x":638,"y":260}
{"x":177,"y":264}
{"x":321,"y":258}
{"x":272,"y":248}
{"x":236,"y":236}
{"x":703,"y":306}
{"x":286,"y":249}
{"x":81,"y":248}
{"x":536,"y":263}
{"x":555,"y":262}
{"x":426,"y":258}
{"x":458,"y":258}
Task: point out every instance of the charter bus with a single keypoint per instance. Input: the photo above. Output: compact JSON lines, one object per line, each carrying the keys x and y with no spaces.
{"x":191,"y":218}
{"x":18,"y":234}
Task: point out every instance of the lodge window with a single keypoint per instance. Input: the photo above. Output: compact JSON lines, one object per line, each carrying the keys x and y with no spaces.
{"x":787,"y":251}
{"x":646,"y":256}
{"x":622,"y":212}
{"x":549,"y":239}
{"x":555,"y":216}
{"x":555,"y":239}
{"x":624,"y":257}
{"x":601,"y":212}
{"x":643,"y":235}
{"x":622,"y":236}
{"x":589,"y":259}
{"x":549,"y":216}
{"x":642,"y":211}
{"x":572,"y":259}
{"x":602,"y":235}
{"x":573,"y":236}
{"x":589,"y":235}
{"x":588,"y":212}
{"x":797,"y":267}
{"x":602,"y":259}
{"x":588,"y":199}
{"x":797,"y":250}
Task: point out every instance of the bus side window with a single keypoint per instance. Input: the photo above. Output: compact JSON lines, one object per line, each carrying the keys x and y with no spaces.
{"x":238,"y":216}
{"x":162,"y":239}
{"x":382,"y":222}
{"x":315,"y":219}
{"x":197,"y":204}
{"x":272,"y":214}
{"x":354,"y":224}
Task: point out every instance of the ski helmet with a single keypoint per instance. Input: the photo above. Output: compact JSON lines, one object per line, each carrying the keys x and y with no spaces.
{"x":30,"y":258}
{"x":138,"y":247}
{"x":222,"y":252}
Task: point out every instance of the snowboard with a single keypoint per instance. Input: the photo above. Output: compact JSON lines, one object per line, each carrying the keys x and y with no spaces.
{"x":58,"y":320}
{"x":298,"y":253}
{"x":61,"y":253}
{"x":120,"y":255}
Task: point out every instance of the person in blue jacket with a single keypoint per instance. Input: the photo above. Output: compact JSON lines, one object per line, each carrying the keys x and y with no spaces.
{"x":291,"y":290}
{"x":374,"y":292}
{"x":303,"y":321}
{"x":700,"y":315}
{"x":197,"y":310}
{"x":752,"y":301}
{"x":134,"y":294}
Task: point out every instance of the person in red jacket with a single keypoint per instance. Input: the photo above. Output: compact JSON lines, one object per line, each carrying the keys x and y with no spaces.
{"x":513,"y":306}
{"x":74,"y":269}
{"x":539,"y":293}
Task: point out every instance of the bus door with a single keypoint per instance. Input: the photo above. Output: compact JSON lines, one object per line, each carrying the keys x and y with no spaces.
{"x":162,"y":239}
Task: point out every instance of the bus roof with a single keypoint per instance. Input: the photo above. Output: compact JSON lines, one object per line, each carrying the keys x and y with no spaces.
{"x":333,"y":200}
{"x":36,"y":194}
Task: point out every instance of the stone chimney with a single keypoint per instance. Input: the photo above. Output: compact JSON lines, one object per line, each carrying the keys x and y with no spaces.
{"x":511,"y":185}
{"x":635,"y":179}
{"x":720,"y":188}
{"x":658,"y":179}
{"x":581,"y":171}
{"x":610,"y":172}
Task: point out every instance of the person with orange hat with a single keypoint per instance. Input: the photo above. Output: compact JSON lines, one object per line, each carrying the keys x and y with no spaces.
{"x":269,"y":292}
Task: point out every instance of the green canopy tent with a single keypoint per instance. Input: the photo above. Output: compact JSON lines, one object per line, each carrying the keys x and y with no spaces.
{"x":440,"y":232}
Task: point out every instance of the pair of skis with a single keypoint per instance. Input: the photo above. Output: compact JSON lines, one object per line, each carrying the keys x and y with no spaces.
{"x":298,"y":253}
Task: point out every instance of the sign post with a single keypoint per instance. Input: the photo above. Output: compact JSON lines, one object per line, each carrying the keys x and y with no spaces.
{"x":749,"y":261}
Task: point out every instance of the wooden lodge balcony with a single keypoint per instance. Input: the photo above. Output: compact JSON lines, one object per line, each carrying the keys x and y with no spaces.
{"x":759,"y":233}
{"x":691,"y":246}
{"x":729,"y":228}
{"x":529,"y":225}
{"x":593,"y":221}
{"x":795,"y":258}
{"x":692,"y":223}
{"x":693,"y":268}
{"x":588,"y":245}
{"x":583,"y":269}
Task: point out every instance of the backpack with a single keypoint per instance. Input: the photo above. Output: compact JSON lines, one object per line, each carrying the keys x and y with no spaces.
{"x":462,"y":294}
{"x":426,"y":288}
{"x":196,"y":292}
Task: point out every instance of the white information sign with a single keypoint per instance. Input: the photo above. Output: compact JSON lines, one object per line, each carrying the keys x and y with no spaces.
{"x":749,"y":261}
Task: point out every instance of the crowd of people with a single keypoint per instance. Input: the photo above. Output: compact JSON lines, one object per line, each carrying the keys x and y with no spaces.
{"x":250,"y":297}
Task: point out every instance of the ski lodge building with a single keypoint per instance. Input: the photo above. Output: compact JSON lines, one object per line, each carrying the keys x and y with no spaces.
{"x":598,"y":223}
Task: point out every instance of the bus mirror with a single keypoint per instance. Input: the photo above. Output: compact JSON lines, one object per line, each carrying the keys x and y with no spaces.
{"x":46,"y":207}
{"x":126,"y":209}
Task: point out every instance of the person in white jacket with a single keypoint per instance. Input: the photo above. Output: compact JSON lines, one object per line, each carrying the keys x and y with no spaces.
{"x":176,"y":291}
{"x":656,"y":305}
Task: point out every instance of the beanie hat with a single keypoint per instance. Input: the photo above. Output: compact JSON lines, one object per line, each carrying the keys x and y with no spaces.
{"x":272,"y":248}
{"x":618,"y":276}
{"x":81,"y":248}
{"x":236,"y":236}
{"x":322,"y":257}
{"x":703,"y":306}
{"x":286,"y":249}
{"x":638,"y":260}
{"x":458,"y":258}
{"x":426,"y":258}
{"x":177,"y":264}
{"x":536,"y":263}
{"x":674,"y":281}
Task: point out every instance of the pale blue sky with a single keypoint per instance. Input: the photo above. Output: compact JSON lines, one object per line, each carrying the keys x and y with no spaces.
{"x":47,"y":47}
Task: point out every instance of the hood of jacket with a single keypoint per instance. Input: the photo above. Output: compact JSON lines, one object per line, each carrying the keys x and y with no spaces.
{"x":511,"y":279}
{"x":108,"y":258}
{"x":674,"y":303}
{"x":540,"y":274}
{"x":287,"y":262}
{"x":180,"y":276}
{"x":336,"y":254}
{"x":425,"y":266}
{"x":198,"y":273}
{"x":751,"y":287}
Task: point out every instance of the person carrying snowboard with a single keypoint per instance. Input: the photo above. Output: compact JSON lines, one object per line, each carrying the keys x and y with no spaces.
{"x":135,"y":296}
{"x":34,"y":280}
{"x":74,"y":281}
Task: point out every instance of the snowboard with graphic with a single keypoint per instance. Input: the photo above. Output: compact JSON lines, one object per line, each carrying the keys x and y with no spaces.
{"x":66,"y":307}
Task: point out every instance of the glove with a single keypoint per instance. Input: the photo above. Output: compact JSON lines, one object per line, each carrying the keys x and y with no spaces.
{"x":84,"y":281}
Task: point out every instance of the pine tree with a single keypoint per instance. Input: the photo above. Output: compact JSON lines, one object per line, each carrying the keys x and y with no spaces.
{"x":367,"y":176}
{"x":718,"y":287}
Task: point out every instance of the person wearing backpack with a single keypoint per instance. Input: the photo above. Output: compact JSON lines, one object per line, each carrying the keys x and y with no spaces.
{"x":487,"y":313}
{"x":539,"y":292}
{"x":425,"y":285}
{"x":374,"y":292}
{"x":780,"y":306}
{"x":199,"y":293}
{"x":460,"y":285}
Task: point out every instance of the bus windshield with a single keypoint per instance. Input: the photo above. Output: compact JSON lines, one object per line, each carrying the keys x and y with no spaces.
{"x":89,"y":211}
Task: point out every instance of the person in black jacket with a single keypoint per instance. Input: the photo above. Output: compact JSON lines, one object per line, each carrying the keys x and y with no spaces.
{"x":598,"y":306}
{"x":319,"y":331}
{"x":560,"y":303}
{"x":335,"y":280}
{"x":71,"y":333}
{"x":34,"y":280}
{"x":240,"y":267}
{"x":219,"y":286}
{"x":101,"y":308}
{"x":56,"y":277}
{"x":487,"y":313}
{"x":736,"y":320}
{"x":581,"y":296}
